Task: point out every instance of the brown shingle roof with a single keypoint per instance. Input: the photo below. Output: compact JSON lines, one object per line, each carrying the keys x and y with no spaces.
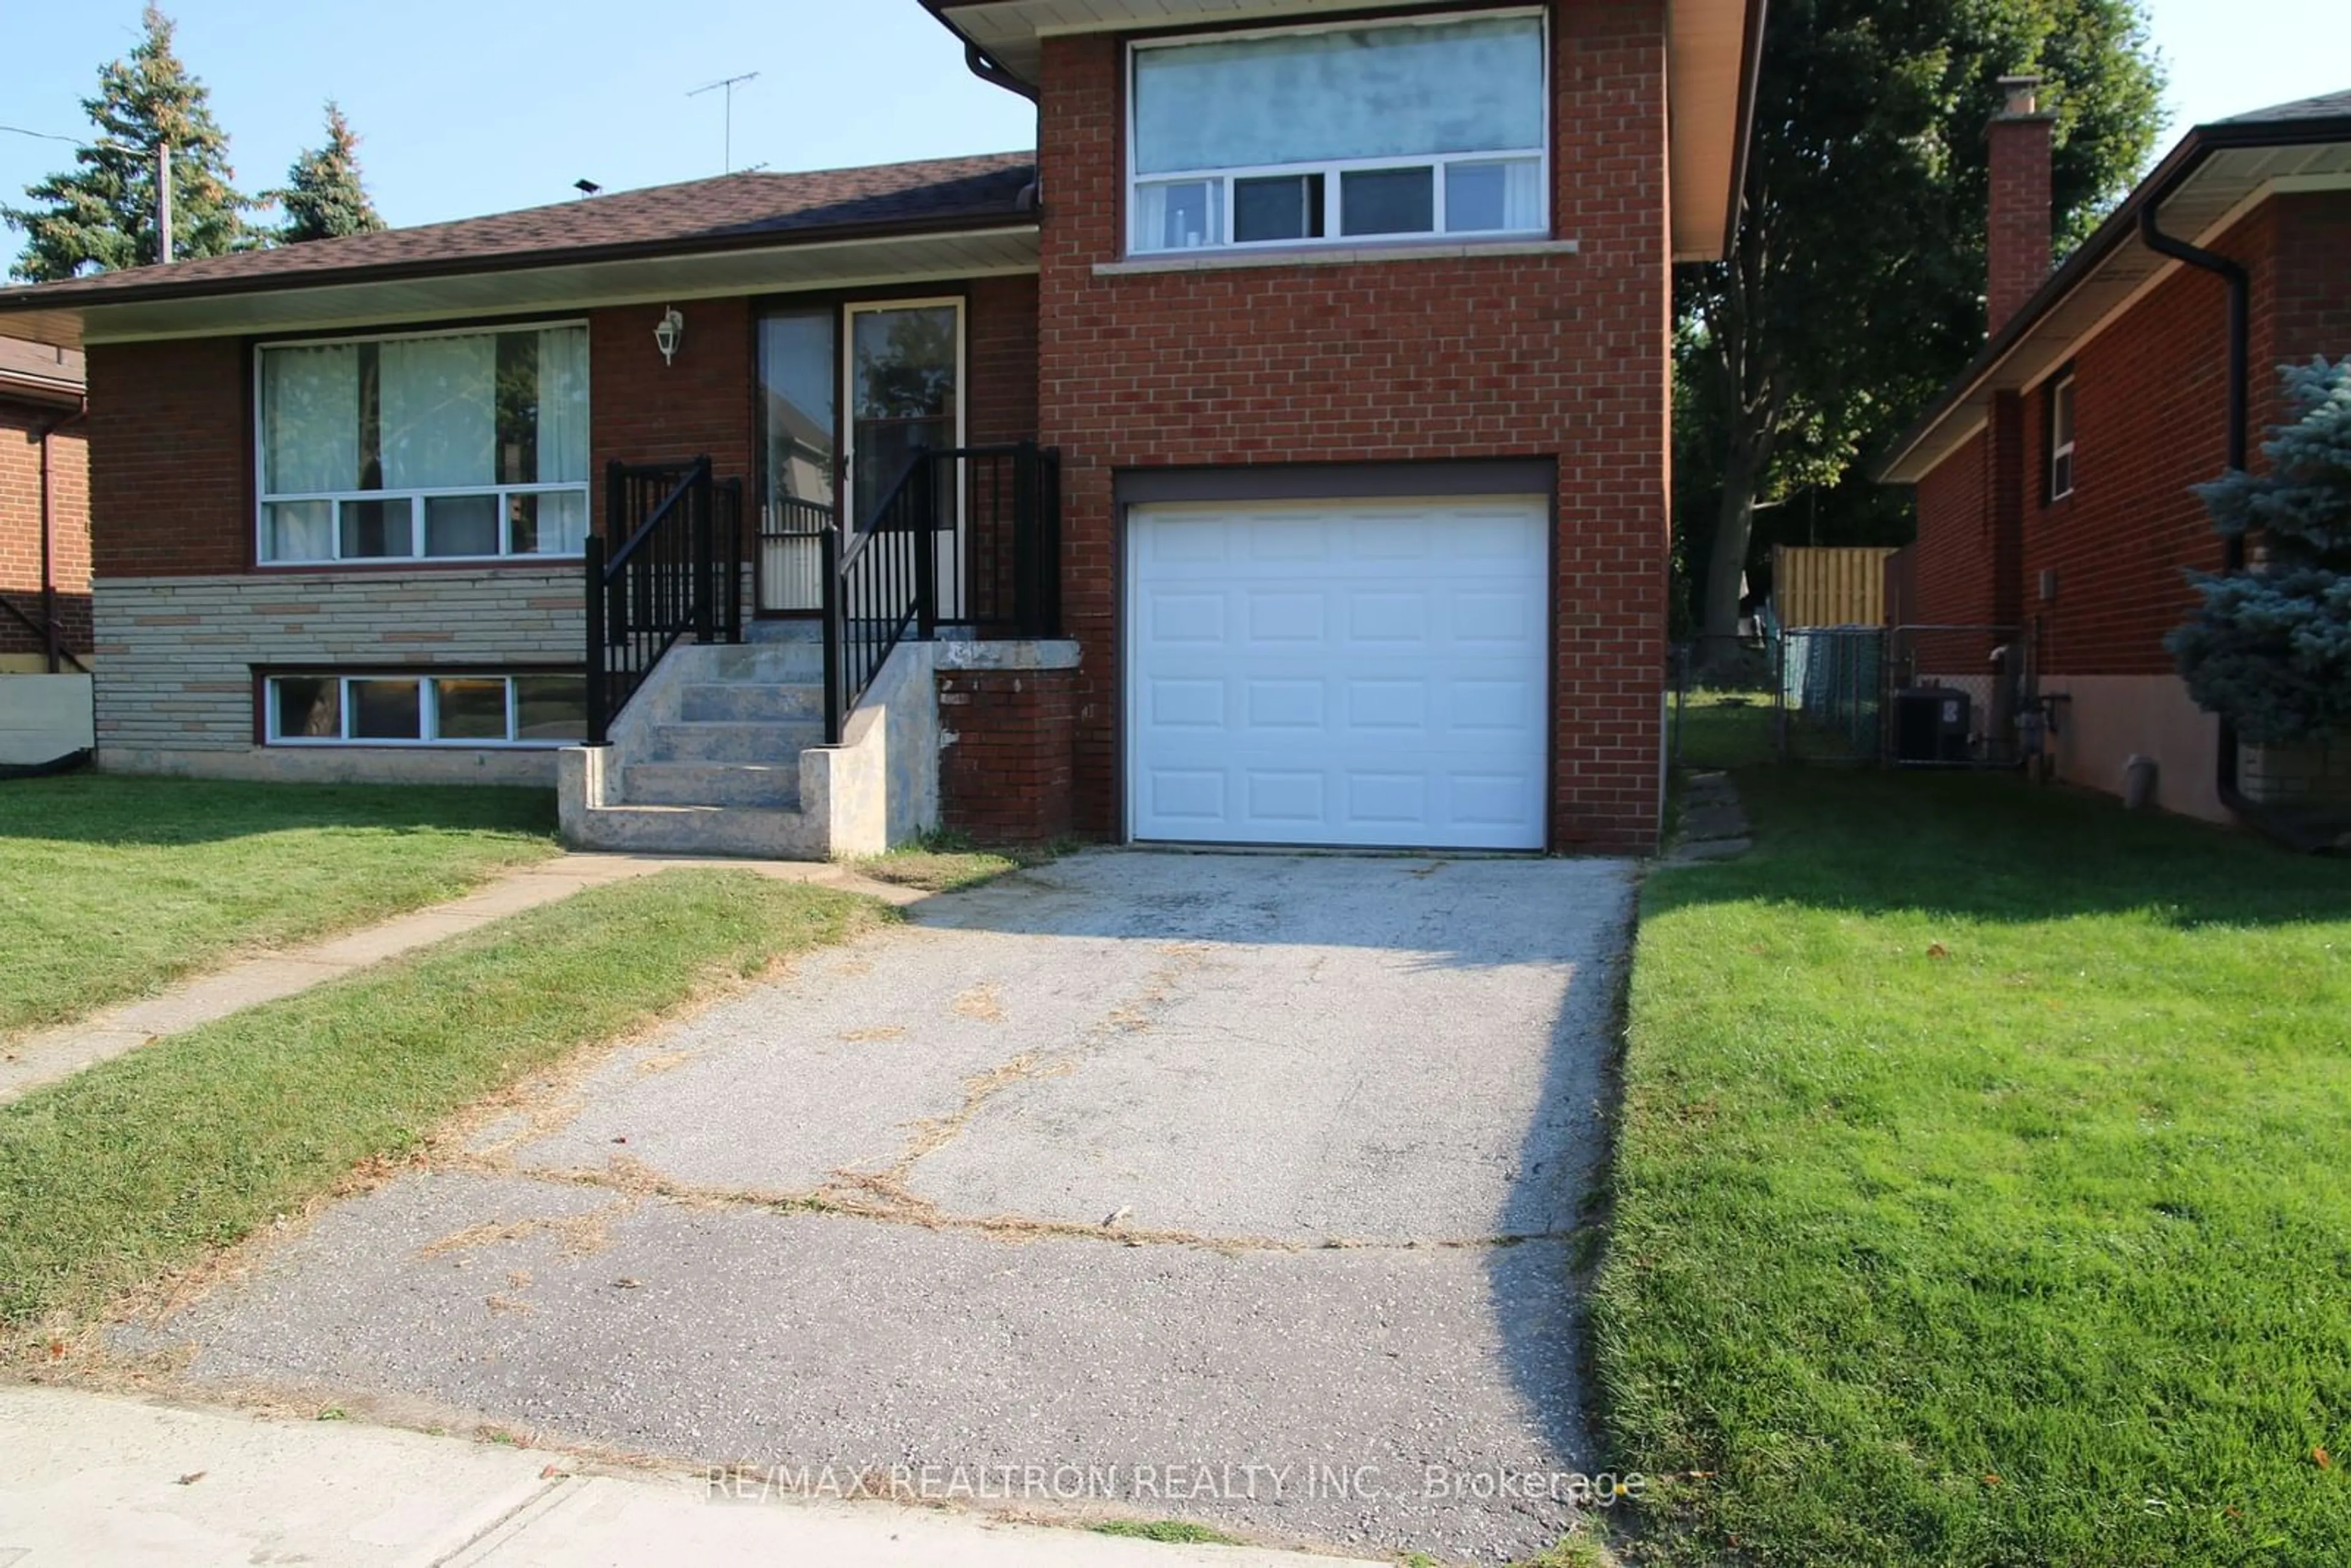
{"x":726,"y":213}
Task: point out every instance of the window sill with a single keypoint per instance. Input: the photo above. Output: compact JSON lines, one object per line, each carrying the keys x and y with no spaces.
{"x":374,"y":565}
{"x":1206,"y":260}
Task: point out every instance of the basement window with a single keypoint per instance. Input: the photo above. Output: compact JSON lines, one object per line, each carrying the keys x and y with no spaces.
{"x":2061,"y":439}
{"x":1397,"y":129}
{"x":464,"y":708}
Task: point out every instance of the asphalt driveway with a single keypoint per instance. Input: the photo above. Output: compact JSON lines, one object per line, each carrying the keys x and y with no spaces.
{"x":1240,"y":1183}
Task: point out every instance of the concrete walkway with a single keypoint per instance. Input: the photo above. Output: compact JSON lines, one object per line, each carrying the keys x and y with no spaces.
{"x":60,"y":1053}
{"x":95,"y":1480}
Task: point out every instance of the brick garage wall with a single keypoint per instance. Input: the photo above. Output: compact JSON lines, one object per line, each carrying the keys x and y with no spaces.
{"x":1950,"y":564}
{"x":1009,"y":774}
{"x":177,"y":655}
{"x":21,"y":424}
{"x":1552,"y":355}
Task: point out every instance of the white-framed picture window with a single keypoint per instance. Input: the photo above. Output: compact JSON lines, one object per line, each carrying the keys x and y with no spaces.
{"x":459,"y":707}
{"x":469,"y":445}
{"x":2060,"y":438}
{"x":1406,"y":128}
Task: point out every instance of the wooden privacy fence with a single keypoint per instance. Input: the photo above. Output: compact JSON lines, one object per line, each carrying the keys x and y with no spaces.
{"x":1817,"y":586}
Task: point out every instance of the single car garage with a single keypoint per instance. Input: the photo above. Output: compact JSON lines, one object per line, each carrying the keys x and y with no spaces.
{"x":1365,"y":671}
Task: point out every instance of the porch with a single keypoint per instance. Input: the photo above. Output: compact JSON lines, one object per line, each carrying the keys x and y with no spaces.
{"x":771,"y":684}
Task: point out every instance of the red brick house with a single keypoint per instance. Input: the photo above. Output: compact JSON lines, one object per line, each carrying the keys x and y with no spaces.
{"x":44,"y":510}
{"x":1276,"y":455}
{"x":2054,"y":476}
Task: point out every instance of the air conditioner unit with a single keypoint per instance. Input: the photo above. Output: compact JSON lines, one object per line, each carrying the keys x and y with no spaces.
{"x":1930,"y":725}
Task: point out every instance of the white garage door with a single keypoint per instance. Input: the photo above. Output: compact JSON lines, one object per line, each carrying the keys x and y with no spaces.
{"x":1366,"y":673}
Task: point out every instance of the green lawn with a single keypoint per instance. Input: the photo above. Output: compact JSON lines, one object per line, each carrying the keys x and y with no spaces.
{"x":950,"y":862}
{"x":110,"y":886}
{"x":1983,"y":1188}
{"x":142,"y":1164}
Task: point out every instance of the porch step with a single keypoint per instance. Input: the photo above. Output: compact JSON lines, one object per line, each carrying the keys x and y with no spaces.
{"x":791,"y":661}
{"x":702,"y":830}
{"x":746,"y":702}
{"x":772,"y":785}
{"x":714,"y":741}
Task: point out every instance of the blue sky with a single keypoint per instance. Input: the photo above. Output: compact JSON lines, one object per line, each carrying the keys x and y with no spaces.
{"x":476,"y":105}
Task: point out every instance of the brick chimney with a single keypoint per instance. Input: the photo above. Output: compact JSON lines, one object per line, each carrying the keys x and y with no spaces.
{"x":2019,"y":244}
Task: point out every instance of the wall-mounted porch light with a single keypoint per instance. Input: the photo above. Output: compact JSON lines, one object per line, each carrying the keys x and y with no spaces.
{"x":669,"y":334}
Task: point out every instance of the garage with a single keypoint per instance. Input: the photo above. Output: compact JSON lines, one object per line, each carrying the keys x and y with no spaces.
{"x":1358,"y":672}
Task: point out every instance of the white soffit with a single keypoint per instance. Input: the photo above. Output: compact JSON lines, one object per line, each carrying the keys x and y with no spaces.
{"x":1707,"y":42}
{"x":920,"y":258}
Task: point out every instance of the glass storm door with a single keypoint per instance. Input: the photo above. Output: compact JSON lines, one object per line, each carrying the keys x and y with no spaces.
{"x":800,"y":477}
{"x":904,"y":390}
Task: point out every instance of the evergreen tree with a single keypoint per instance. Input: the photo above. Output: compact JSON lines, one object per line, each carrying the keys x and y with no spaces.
{"x":101,"y":215}
{"x":2270,"y":648}
{"x":324,"y":197}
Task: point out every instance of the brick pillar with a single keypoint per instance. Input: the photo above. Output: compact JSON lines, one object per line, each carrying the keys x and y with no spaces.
{"x":1007,"y":772}
{"x":2018,"y":245}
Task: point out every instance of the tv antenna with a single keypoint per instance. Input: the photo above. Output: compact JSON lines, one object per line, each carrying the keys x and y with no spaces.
{"x":729,"y":84}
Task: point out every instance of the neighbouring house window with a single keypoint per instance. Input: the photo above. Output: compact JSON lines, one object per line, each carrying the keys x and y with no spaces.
{"x":425,"y":709}
{"x":1392,"y":130}
{"x":2061,"y":439}
{"x":439,"y":446}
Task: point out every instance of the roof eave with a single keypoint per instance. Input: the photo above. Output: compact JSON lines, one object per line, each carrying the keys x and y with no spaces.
{"x":162,"y":290}
{"x":2201,"y":142}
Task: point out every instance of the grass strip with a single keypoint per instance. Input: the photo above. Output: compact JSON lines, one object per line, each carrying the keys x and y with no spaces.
{"x":141,"y":1165}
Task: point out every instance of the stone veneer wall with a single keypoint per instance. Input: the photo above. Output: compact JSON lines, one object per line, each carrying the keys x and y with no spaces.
{"x":181,"y":654}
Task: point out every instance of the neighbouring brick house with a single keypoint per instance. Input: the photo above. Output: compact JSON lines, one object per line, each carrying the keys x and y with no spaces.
{"x":2054,"y":476}
{"x":1278,"y":454}
{"x":44,"y":510}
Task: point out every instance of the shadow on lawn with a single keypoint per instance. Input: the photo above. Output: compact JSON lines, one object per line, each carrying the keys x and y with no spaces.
{"x":127,"y":809}
{"x":1993,"y":847}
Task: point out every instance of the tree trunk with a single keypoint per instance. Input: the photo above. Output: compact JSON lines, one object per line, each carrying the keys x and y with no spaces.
{"x":1725,"y":565}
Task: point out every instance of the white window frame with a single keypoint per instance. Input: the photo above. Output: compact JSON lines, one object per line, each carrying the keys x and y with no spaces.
{"x":2064,"y":400}
{"x":846,"y":419}
{"x":428,"y":704}
{"x":263,"y":499}
{"x":1221,"y":181}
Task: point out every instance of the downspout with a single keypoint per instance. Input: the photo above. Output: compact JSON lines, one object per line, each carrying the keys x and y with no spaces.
{"x":48,"y":533}
{"x":975,"y":60}
{"x":2226,"y":783}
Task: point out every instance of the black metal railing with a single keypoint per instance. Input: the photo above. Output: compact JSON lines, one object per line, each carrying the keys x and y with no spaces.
{"x":1010,"y":583}
{"x":674,"y":572}
{"x":46,"y":631}
{"x":966,"y":536}
{"x":880,"y":586}
{"x":788,"y":577}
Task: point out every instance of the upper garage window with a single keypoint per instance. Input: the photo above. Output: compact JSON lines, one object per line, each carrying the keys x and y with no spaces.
{"x":1392,"y":129}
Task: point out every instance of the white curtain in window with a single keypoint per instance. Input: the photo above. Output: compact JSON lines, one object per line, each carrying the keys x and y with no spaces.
{"x":310,"y":419}
{"x":563,"y":405}
{"x":1371,"y":92}
{"x":440,"y":416}
{"x":1523,"y":196}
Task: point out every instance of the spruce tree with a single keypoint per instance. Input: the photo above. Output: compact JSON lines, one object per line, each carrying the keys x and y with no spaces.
{"x":101,"y":215}
{"x":2270,"y":648}
{"x":324,"y":197}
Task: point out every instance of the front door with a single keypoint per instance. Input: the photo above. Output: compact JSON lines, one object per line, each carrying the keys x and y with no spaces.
{"x":847,"y":394}
{"x":904,"y":386}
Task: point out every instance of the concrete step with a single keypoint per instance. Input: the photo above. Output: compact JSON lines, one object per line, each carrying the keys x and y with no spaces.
{"x":770,"y":744}
{"x":743,"y":702}
{"x":702,"y":830}
{"x":776,"y":787}
{"x":768,"y":663}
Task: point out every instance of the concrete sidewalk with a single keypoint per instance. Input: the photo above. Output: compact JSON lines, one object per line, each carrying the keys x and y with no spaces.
{"x":96,"y":1481}
{"x":60,"y":1053}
